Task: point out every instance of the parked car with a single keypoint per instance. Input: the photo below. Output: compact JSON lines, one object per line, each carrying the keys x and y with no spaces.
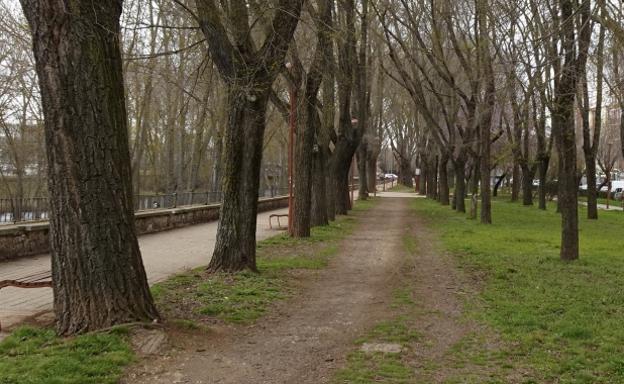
{"x":391,"y":176}
{"x":617,"y":184}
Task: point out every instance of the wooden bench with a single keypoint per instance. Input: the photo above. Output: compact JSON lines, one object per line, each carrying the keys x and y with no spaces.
{"x":277,"y":216}
{"x":36,"y":280}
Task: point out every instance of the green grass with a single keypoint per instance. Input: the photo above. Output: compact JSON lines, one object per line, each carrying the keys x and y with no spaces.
{"x":244,"y":297}
{"x":38,"y":356}
{"x":603,"y":200}
{"x":563,"y":320}
{"x":401,"y":188}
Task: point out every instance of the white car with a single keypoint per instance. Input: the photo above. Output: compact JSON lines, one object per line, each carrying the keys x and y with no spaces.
{"x":614,"y":186}
{"x":390,"y":176}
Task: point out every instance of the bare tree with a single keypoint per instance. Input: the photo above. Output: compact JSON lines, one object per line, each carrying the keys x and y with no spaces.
{"x":248,"y":72}
{"x":92,"y":224}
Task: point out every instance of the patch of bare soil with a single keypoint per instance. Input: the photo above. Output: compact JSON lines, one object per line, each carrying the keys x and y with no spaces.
{"x":308,"y":336}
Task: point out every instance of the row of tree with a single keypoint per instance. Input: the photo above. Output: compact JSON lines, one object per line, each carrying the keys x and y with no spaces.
{"x":100,"y":129}
{"x":455,"y":88}
{"x":515,"y":76}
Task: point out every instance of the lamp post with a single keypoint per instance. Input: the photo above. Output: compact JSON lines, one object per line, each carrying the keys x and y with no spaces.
{"x":292,"y":95}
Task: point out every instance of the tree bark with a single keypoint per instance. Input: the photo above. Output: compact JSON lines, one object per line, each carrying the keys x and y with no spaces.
{"x":97,"y":271}
{"x":248,"y":74}
{"x":371,"y":170}
{"x":515,"y":182}
{"x":422,"y":186}
{"x":542,"y":171}
{"x":443,"y":180}
{"x":348,"y":138}
{"x":405,"y":171}
{"x":563,"y":122}
{"x":485,"y":124}
{"x":240,"y":180}
{"x":362,"y":163}
{"x":459,"y":165}
{"x":319,"y":189}
{"x":527,"y":184}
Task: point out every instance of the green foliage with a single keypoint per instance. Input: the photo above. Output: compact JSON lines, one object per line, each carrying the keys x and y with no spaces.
{"x":38,"y":356}
{"x":562,"y":319}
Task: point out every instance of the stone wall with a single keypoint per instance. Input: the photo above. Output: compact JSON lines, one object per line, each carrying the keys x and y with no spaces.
{"x":32,"y":238}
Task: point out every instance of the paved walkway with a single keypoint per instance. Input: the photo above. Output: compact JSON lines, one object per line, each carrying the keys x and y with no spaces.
{"x":613,"y":206}
{"x":164,"y":254}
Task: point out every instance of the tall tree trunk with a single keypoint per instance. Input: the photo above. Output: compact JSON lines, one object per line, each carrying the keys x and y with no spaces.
{"x":348,"y":137}
{"x":343,"y":156}
{"x":362,"y":163}
{"x":430,"y":183}
{"x":371,"y":170}
{"x":444,"y":186}
{"x":302,"y":177}
{"x":563,"y":122}
{"x":249,"y":74}
{"x":308,"y":155}
{"x":592,"y":190}
{"x":527,"y":184}
{"x":92,"y":229}
{"x":242,"y":157}
{"x":459,"y":165}
{"x":422,"y":186}
{"x":405,"y":171}
{"x":319,"y":189}
{"x":515,"y":180}
{"x":591,"y":142}
{"x":485,"y":124}
{"x":363,"y":101}
{"x":434,"y":179}
{"x":542,"y":172}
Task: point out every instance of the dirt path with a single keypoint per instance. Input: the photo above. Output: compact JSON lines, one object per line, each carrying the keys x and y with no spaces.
{"x":311,"y":334}
{"x":308,"y":337}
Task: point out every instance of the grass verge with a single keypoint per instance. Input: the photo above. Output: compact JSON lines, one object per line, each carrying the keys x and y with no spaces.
{"x":38,"y":356}
{"x":563,"y":320}
{"x":197,"y":296}
{"x":401,"y":188}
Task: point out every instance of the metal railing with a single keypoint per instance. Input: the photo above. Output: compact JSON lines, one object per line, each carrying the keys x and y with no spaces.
{"x":27,"y":209}
{"x":16,"y":210}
